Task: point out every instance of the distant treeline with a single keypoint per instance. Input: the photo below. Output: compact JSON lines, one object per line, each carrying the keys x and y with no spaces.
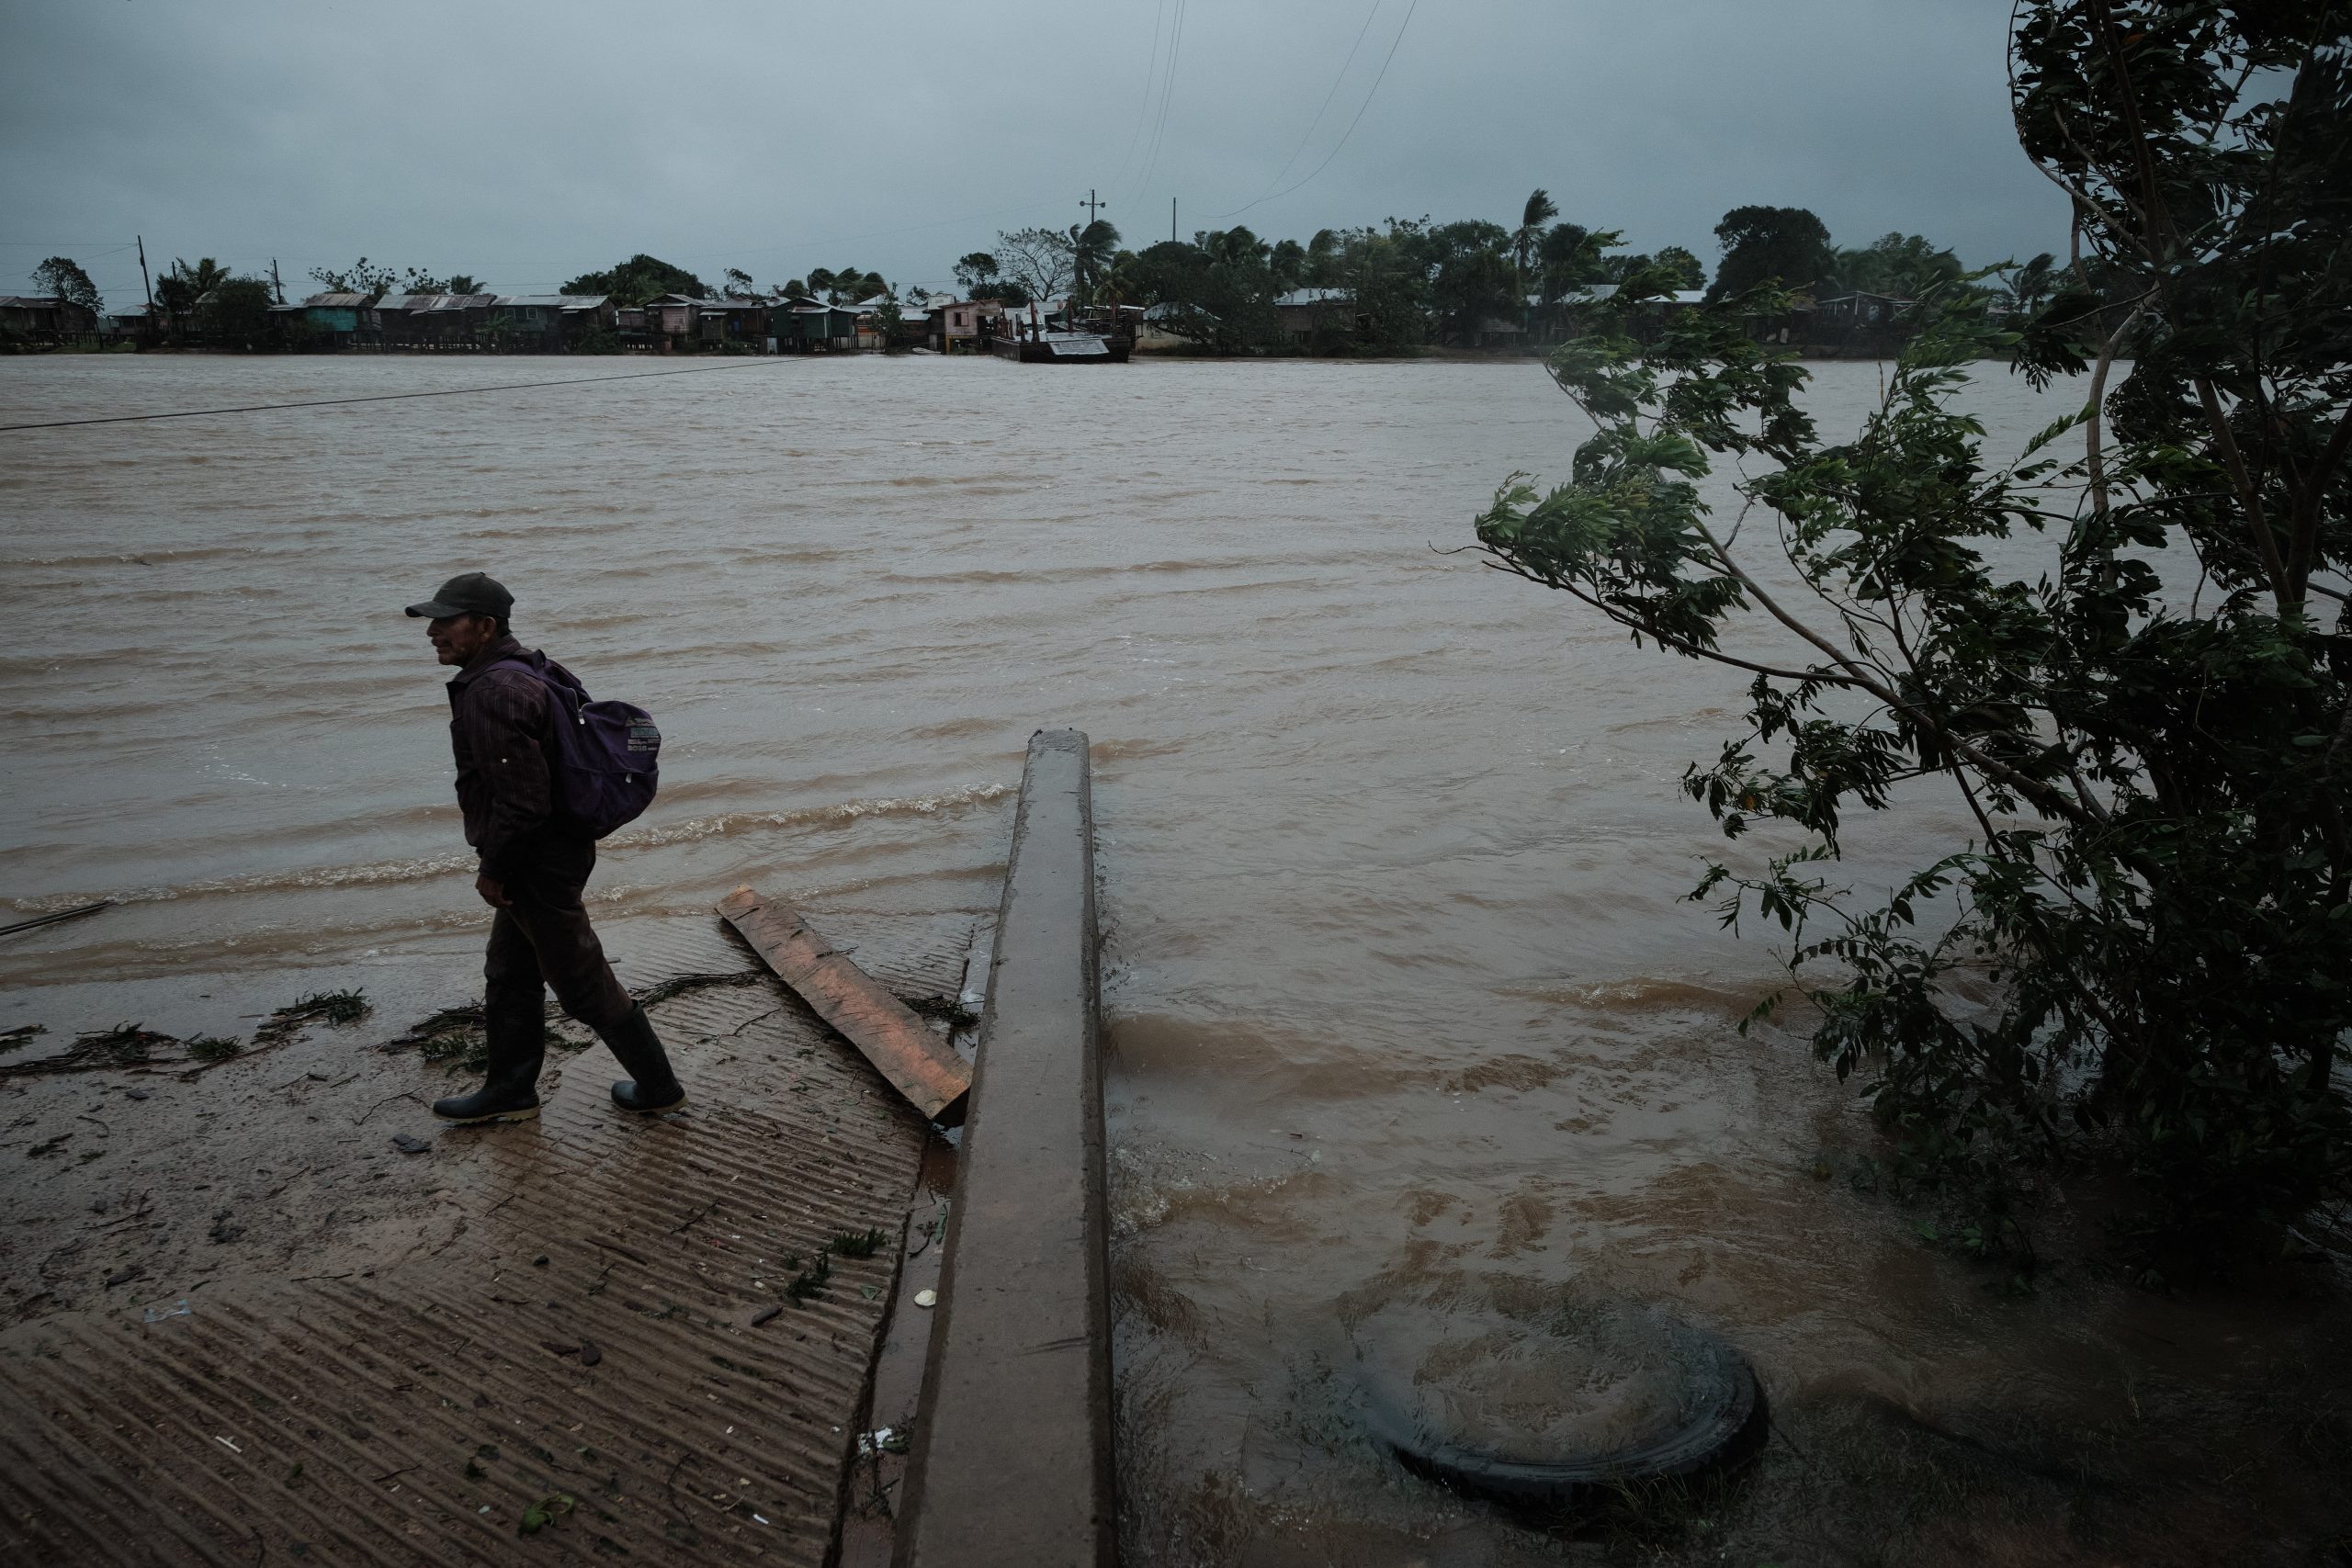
{"x":1411,"y":282}
{"x":1403,"y":285}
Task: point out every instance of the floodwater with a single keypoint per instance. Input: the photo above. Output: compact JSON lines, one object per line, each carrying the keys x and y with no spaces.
{"x":1406,"y":1013}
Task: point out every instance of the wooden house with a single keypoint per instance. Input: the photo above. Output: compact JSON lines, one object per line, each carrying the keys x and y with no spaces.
{"x":1304,"y":312}
{"x":343,"y":319}
{"x":551,"y":323}
{"x":954,"y":325}
{"x":810,"y":326}
{"x":736,"y":321}
{"x":45,"y":317}
{"x":132,"y":323}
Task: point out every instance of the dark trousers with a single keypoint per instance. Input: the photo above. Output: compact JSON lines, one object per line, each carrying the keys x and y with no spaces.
{"x":544,"y":940}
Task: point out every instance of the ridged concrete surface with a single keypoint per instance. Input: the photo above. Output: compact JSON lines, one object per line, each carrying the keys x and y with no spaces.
{"x":411,"y":1416}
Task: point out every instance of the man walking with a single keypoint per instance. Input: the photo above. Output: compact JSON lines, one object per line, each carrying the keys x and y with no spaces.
{"x":534,"y":865}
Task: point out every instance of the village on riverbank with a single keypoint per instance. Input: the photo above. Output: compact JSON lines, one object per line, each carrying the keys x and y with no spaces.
{"x":1410,"y":288}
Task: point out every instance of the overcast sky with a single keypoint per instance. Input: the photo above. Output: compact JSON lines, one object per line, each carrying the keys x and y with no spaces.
{"x":526,"y":140}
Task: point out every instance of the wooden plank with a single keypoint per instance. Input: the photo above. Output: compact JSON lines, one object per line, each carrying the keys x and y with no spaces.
{"x":919,"y":1063}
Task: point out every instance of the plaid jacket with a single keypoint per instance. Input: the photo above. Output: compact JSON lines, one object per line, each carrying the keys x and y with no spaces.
{"x":501,"y":731}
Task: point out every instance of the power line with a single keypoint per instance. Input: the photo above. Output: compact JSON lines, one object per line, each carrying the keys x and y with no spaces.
{"x":389,"y":397}
{"x":1142,"y":109}
{"x":1320,"y":113}
{"x":1166,"y":95}
{"x":1351,"y":124}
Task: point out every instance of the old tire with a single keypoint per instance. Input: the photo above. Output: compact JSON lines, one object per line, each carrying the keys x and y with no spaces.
{"x":1722,"y":1423}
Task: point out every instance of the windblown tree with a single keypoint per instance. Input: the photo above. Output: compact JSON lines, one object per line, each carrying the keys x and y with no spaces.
{"x":236,"y":313}
{"x":63,"y":277}
{"x":362,"y":277}
{"x":1677,"y":269}
{"x":1218,"y":289}
{"x":1906,"y":266}
{"x":1385,"y":276}
{"x":1322,"y":253}
{"x":851,"y":285}
{"x":1472,"y":279}
{"x":1288,"y":261}
{"x":637,"y":279}
{"x":1682,"y":266}
{"x":1092,"y":246}
{"x":2126,"y":655}
{"x":1528,"y":238}
{"x":1568,"y":256}
{"x":1764,"y":244}
{"x":979,"y":277}
{"x":1038,"y":262}
{"x":2031,"y":285}
{"x":182,"y":289}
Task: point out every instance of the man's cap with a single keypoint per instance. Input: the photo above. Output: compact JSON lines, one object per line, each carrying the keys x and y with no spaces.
{"x":469,"y":593}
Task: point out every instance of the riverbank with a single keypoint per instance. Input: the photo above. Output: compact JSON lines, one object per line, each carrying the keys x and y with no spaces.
{"x":1403,"y":1001}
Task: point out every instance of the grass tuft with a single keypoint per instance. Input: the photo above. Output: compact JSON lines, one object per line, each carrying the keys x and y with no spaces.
{"x":847,"y":1243}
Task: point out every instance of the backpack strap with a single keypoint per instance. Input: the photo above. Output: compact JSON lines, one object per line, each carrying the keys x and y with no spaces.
{"x":573,"y":700}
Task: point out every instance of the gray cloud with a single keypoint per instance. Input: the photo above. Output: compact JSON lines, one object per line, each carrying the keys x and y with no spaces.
{"x":526,"y":143}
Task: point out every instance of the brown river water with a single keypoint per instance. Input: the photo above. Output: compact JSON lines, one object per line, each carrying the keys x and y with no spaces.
{"x":1406,"y":1013}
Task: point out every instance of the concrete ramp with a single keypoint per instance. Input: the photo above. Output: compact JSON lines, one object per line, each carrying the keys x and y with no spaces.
{"x":605,"y":1361}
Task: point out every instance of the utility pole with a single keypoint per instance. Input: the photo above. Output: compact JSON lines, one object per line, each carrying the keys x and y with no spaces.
{"x":273,"y":280}
{"x":1171,"y":220}
{"x":144,"y":282}
{"x":1092,"y":206}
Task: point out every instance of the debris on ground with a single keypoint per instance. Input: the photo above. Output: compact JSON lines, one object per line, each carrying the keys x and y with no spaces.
{"x":457,"y":1038}
{"x":124,"y":1046}
{"x":319,"y":1007}
{"x":677,"y":984}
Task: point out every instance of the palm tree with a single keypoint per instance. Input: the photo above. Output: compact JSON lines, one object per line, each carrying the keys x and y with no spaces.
{"x":2033,"y":283}
{"x":1092,"y":246}
{"x":205,"y":277}
{"x":1236,"y":246}
{"x":1323,"y":254}
{"x":1539,"y":209}
{"x":1122,"y":280}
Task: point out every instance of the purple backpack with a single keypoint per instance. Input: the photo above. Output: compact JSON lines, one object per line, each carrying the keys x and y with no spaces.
{"x":607,"y":760}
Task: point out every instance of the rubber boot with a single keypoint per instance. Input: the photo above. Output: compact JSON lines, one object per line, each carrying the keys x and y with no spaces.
{"x":517,"y":1048}
{"x":651,"y":1086}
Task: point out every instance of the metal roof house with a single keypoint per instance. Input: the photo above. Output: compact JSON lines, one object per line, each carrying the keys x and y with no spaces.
{"x":432,"y":320}
{"x":551,"y":322}
{"x":347,"y":316}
